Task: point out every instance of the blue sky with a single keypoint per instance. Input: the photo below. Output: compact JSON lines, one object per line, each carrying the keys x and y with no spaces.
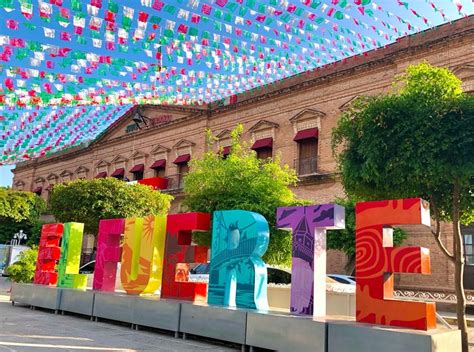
{"x":6,"y":175}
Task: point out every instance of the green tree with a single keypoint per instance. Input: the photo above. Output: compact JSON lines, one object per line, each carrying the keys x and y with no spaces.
{"x":34,"y":233}
{"x":89,"y":201}
{"x":19,"y":205}
{"x":242,"y":181}
{"x":23,"y":270}
{"x":417,"y":140}
{"x":344,"y":240}
{"x":18,"y":211}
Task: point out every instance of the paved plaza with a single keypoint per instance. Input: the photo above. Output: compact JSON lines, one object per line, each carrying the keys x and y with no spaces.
{"x":4,"y":285}
{"x":22,"y":329}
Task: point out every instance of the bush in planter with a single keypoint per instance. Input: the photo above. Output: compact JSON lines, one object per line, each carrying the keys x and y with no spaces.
{"x":23,"y":270}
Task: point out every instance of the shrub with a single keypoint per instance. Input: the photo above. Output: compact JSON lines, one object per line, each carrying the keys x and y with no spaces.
{"x":23,"y":270}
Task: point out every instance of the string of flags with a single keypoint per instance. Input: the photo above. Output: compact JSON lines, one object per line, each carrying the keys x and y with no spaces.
{"x":70,"y":68}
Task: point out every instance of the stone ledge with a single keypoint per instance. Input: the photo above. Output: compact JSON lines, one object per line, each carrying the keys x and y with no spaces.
{"x":356,"y":337}
{"x":317,"y":178}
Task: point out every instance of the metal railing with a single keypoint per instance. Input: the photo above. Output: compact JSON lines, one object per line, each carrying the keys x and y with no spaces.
{"x":175,"y":182}
{"x":306,"y":166}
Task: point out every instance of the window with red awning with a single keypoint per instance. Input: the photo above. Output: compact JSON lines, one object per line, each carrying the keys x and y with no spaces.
{"x":307,"y":162}
{"x":263,"y":147}
{"x":138,"y":171}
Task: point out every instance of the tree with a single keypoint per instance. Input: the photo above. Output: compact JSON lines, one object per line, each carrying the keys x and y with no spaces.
{"x":19,"y":205}
{"x":89,"y":201}
{"x":417,"y":140}
{"x":18,"y":211}
{"x":23,"y":270}
{"x":344,"y":240}
{"x":242,"y":181}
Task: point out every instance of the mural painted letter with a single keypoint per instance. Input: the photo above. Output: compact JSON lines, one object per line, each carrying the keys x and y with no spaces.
{"x":377,"y":260}
{"x":179,"y":253}
{"x":308,"y":271}
{"x":48,"y":253}
{"x":238,"y":275}
{"x":108,"y":254}
{"x":142,"y":255}
{"x":68,"y":266}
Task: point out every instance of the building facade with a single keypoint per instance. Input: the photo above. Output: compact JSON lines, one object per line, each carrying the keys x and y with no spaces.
{"x":293,"y":118}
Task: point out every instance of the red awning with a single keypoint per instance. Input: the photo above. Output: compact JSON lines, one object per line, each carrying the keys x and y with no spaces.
{"x":118,"y":172}
{"x":138,"y":168}
{"x":182,"y":159}
{"x":101,"y":174}
{"x":310,"y":133}
{"x":158,"y":164}
{"x":38,"y":190}
{"x":263,"y":143}
{"x":226,"y":150}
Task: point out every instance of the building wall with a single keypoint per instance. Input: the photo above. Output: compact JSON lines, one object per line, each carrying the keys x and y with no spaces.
{"x":316,"y":99}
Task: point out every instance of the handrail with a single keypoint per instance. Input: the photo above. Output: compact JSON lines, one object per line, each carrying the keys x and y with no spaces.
{"x":306,"y":166}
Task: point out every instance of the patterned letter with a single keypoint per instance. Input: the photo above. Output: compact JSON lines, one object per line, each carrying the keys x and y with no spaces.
{"x":48,"y":253}
{"x":68,"y":266}
{"x":377,"y":259}
{"x":179,"y":253}
{"x":308,"y":270}
{"x":108,"y":254}
{"x":142,"y":256}
{"x":238,"y":275}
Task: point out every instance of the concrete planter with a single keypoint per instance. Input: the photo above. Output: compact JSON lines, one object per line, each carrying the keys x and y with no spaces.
{"x":270,"y":330}
{"x":76,"y":301}
{"x":355,"y":337}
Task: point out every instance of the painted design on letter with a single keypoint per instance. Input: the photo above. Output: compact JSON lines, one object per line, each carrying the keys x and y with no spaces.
{"x":179,"y":253}
{"x":108,"y":255}
{"x":48,"y":253}
{"x":377,"y":260}
{"x":308,"y":271}
{"x":238,"y":275}
{"x":142,"y":255}
{"x":68,"y":266}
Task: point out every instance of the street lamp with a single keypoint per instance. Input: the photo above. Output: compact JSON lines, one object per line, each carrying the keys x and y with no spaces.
{"x":18,"y":237}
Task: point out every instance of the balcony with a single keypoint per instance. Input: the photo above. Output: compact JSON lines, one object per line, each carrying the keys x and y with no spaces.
{"x":306,"y":166}
{"x":175,"y":183}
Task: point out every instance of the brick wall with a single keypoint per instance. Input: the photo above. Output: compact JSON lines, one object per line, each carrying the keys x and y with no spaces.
{"x":442,"y":270}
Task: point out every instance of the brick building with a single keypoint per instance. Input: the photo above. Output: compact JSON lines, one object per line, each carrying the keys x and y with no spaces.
{"x":292,"y":118}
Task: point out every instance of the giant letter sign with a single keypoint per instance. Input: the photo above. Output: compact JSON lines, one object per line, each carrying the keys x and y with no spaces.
{"x":108,"y":254}
{"x":48,"y":253}
{"x":142,"y":256}
{"x":179,"y":253}
{"x":377,"y":259}
{"x":68,"y":266}
{"x":238,"y":275}
{"x":308,"y":270}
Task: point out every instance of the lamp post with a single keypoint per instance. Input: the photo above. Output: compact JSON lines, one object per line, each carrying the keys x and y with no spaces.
{"x":18,"y":237}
